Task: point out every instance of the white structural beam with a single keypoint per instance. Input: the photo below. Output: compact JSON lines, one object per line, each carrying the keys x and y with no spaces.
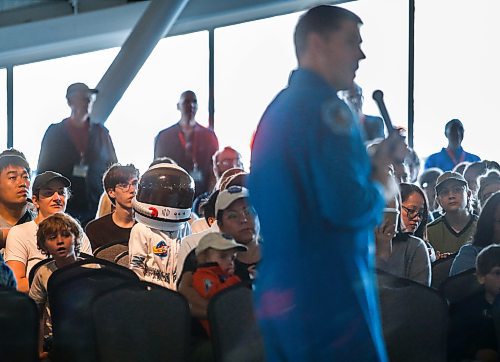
{"x":156,"y":22}
{"x":95,"y":30}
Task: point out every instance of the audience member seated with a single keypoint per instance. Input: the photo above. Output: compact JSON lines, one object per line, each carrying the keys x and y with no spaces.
{"x":460,"y":168}
{"x":215,"y":255}
{"x":488,"y":185}
{"x":401,"y":254}
{"x":472,"y":331}
{"x":427,"y":181}
{"x":372,"y":126}
{"x":472,"y":172}
{"x":58,"y":236}
{"x":487,"y":233}
{"x":7,"y":278}
{"x":415,"y":213}
{"x":413,"y":162}
{"x":235,"y":217}
{"x":453,"y":154}
{"x":190,"y":242}
{"x":457,"y":225}
{"x":120,"y":184}
{"x":162,"y":209}
{"x":14,"y":186}
{"x":50,"y":194}
{"x":224,"y":160}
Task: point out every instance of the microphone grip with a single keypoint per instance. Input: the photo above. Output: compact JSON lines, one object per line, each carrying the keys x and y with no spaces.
{"x":378,"y":97}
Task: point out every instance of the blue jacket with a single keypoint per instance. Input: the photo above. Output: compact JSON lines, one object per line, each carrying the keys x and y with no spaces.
{"x":310,"y":183}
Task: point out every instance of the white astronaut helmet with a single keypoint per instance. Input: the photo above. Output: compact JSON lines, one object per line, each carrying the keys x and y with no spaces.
{"x":164,"y":197}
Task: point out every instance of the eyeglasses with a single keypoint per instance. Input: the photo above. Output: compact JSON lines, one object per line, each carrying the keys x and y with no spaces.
{"x":49,"y":192}
{"x":412,"y":213}
{"x":126,"y":186}
{"x":455,"y":190}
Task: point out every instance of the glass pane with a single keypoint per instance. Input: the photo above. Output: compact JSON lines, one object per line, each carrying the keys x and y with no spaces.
{"x":456,"y":74}
{"x":252,"y":64}
{"x":150,"y":103}
{"x":40,"y":94}
{"x":3,"y":108}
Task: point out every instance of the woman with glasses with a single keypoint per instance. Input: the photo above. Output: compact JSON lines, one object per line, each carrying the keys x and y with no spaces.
{"x":50,"y":196}
{"x":487,"y":233}
{"x":398,"y":251}
{"x":415,"y":214}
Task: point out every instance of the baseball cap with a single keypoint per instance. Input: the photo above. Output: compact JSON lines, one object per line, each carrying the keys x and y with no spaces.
{"x":79,"y":88}
{"x":448,"y":176}
{"x":218,"y":241}
{"x":228,"y":196}
{"x":44,"y":178}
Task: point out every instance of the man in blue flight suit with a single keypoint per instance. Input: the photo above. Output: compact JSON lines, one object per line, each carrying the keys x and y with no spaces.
{"x":319,"y":197}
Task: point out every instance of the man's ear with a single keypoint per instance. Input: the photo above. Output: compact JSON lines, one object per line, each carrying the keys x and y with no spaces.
{"x":111,"y":193}
{"x":480,"y":278}
{"x":34,"y":198}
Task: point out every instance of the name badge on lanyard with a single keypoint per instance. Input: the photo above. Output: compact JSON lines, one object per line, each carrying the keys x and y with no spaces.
{"x":81,"y":169}
{"x":196,"y":173}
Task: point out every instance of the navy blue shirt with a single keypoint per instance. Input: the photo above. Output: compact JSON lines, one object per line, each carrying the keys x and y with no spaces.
{"x":310,"y":183}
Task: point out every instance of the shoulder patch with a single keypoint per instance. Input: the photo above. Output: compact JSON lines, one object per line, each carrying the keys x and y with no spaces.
{"x":338,"y":116}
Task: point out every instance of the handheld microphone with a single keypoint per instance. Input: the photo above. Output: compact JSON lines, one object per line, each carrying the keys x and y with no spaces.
{"x":378,"y":97}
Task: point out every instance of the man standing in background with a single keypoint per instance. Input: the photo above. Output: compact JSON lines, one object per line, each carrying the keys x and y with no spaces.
{"x":189,"y":144}
{"x":79,"y":150}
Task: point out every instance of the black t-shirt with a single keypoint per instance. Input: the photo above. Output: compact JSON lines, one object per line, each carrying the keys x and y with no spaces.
{"x":104,"y":231}
{"x":471,"y":328}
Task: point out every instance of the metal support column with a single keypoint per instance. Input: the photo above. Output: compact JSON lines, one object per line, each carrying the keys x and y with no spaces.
{"x":211,"y":78}
{"x":10,"y":106}
{"x":411,"y":70}
{"x":155,"y":23}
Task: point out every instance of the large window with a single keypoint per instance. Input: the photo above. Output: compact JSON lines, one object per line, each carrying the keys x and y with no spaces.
{"x":252,"y":63}
{"x":456,"y":74}
{"x":3,"y":109}
{"x":149,"y":104}
{"x":40,"y":90}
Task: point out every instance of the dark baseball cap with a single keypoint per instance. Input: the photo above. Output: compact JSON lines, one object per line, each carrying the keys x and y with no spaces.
{"x":449,"y":176}
{"x":44,"y":178}
{"x":79,"y":88}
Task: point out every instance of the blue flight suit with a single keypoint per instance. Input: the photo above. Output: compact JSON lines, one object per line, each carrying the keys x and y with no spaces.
{"x":310,"y":183}
{"x":443,"y":160}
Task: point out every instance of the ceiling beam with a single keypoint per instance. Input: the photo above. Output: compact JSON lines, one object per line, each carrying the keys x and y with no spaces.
{"x":96,"y":30}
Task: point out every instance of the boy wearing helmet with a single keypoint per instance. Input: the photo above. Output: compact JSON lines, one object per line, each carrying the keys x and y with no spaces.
{"x":162,"y":209}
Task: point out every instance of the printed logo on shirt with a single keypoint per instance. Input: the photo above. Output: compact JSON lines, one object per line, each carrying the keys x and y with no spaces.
{"x":337,"y":115}
{"x":208,"y":284}
{"x":161,"y":249}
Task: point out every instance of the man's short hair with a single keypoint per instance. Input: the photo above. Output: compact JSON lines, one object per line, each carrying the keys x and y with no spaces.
{"x":13,"y":157}
{"x":487,"y":259}
{"x":453,"y":122}
{"x":322,"y":20}
{"x":118,"y":174}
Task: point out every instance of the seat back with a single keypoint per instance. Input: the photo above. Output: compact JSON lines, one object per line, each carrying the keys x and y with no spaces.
{"x":71,"y":290}
{"x":441,"y":270}
{"x":460,"y":286}
{"x":414,"y":320}
{"x":35,"y":267}
{"x":162,"y":314}
{"x":110,"y":251}
{"x":18,"y":327}
{"x":234,"y":331}
{"x":123,"y":259}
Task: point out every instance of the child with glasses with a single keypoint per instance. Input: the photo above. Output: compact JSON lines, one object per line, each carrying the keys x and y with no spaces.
{"x":472,"y":328}
{"x":457,"y":224}
{"x":120,"y":184}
